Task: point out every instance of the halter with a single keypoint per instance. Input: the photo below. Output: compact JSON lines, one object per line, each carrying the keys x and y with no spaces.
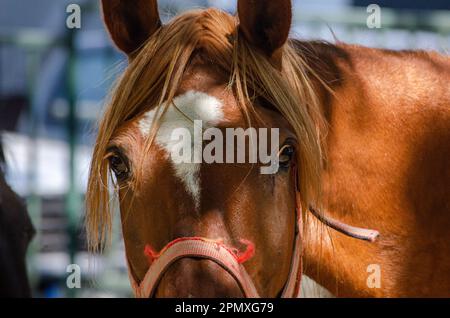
{"x":232,"y":260}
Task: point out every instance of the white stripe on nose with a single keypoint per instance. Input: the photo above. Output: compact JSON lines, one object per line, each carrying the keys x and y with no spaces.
{"x":192,"y":105}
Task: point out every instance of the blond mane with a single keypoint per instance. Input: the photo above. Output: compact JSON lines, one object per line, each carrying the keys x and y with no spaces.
{"x":155,"y":73}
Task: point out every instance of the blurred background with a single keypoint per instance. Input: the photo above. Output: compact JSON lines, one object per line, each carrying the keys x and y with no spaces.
{"x":53,"y":81}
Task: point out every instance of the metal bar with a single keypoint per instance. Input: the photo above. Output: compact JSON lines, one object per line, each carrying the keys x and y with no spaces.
{"x":72,"y":198}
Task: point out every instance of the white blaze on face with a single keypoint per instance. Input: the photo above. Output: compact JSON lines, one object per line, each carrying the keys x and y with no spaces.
{"x":193,"y":106}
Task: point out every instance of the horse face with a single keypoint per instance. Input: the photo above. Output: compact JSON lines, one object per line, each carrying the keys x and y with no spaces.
{"x":215,"y":200}
{"x":171,"y":190}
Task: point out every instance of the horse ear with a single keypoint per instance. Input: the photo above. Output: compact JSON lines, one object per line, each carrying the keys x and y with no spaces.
{"x":265,"y":23}
{"x":130,"y":23}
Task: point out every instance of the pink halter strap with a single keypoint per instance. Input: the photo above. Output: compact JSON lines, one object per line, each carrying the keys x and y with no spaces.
{"x":194,"y":247}
{"x":219,"y":253}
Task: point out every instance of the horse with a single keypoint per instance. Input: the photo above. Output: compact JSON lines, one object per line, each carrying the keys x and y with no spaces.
{"x":16,"y":232}
{"x":364,"y":140}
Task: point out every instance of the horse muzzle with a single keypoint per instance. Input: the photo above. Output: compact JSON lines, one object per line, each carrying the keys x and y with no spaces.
{"x":197,"y":278}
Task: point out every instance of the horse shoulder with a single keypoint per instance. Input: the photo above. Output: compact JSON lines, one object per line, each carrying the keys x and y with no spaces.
{"x":387,"y":168}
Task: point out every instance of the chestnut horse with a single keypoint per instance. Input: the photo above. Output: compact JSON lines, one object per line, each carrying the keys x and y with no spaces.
{"x":364,"y":138}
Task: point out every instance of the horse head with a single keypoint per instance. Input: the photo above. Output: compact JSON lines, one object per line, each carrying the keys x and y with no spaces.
{"x":204,"y":99}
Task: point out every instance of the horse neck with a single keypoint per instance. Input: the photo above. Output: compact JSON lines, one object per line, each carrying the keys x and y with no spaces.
{"x":329,"y":257}
{"x":373,"y":179}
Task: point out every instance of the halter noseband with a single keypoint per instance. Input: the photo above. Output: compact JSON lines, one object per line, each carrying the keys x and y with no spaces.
{"x":222,"y":255}
{"x":231,"y":261}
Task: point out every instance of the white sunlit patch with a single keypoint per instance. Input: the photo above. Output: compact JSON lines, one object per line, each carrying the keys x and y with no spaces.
{"x":192,"y":105}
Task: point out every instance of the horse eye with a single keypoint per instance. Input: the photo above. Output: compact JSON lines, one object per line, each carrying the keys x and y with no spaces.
{"x":118,"y":166}
{"x":286,"y":154}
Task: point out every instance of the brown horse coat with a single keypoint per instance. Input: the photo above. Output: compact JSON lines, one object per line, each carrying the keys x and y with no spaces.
{"x":387,"y":167}
{"x":385,"y":153}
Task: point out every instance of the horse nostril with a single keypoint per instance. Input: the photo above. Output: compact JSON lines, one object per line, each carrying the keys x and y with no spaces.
{"x":197,"y":278}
